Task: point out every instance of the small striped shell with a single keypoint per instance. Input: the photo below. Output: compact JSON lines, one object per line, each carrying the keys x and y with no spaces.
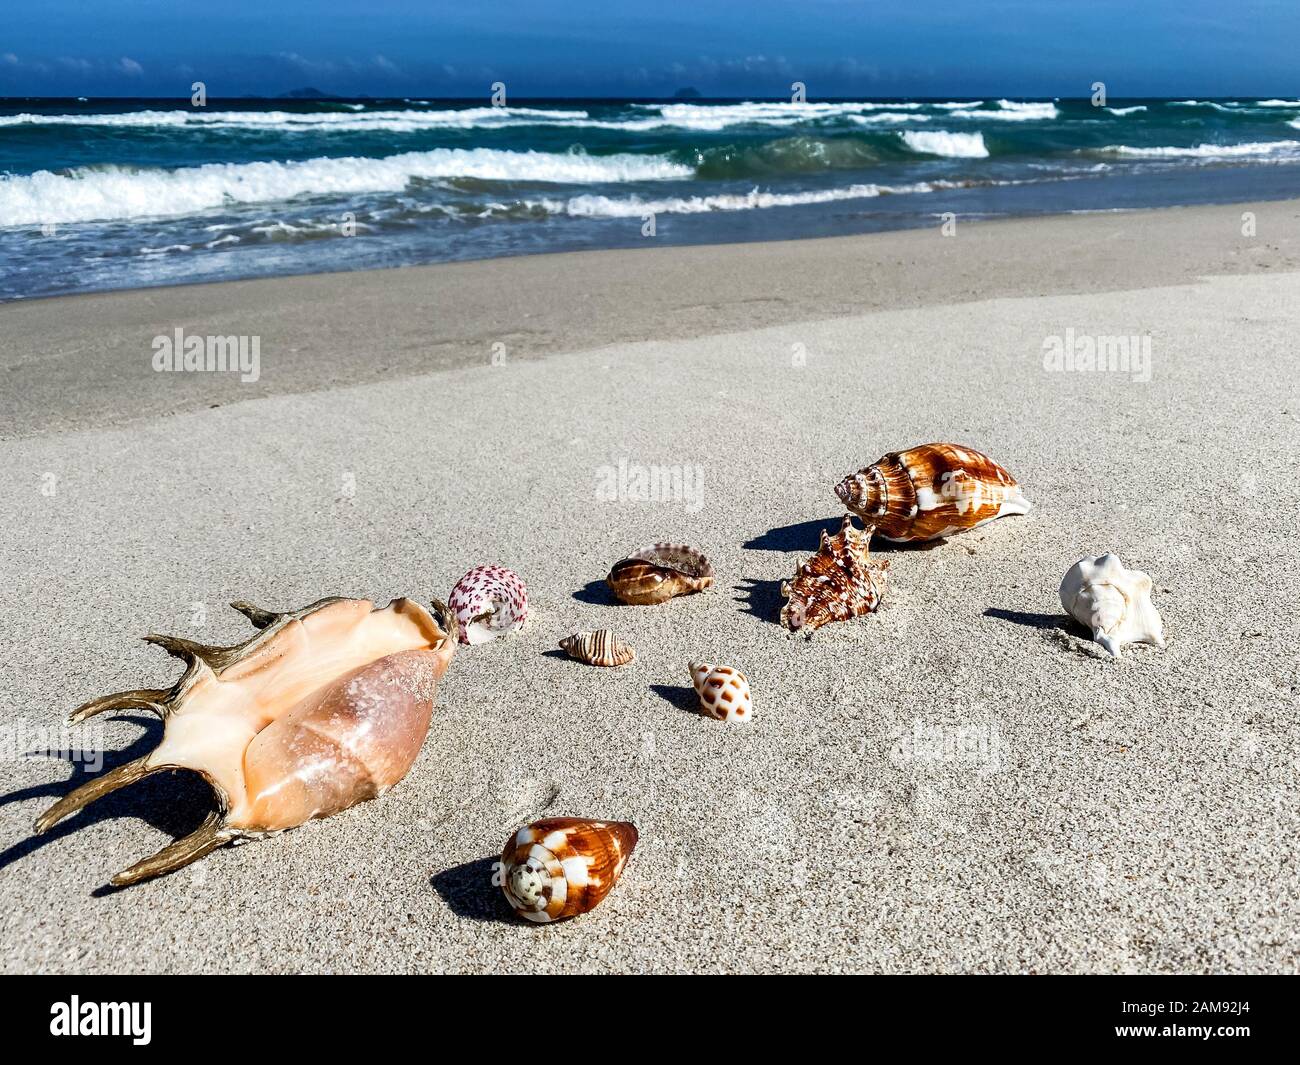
{"x":723,"y":691}
{"x":559,"y":867}
{"x":931,"y":491}
{"x":657,"y":573}
{"x":599,"y":648}
{"x":489,"y":601}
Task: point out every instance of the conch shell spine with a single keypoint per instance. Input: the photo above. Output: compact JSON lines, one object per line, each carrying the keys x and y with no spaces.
{"x":325,"y":707}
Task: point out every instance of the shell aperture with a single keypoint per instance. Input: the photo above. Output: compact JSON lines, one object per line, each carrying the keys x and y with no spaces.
{"x":324,"y":708}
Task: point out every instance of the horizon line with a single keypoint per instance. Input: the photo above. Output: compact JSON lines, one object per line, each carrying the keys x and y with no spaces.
{"x":293,"y":97}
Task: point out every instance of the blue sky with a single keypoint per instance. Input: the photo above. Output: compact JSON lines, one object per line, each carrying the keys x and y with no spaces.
{"x":651,"y":47}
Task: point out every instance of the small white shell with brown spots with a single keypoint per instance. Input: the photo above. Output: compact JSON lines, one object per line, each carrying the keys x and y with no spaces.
{"x":723,"y":691}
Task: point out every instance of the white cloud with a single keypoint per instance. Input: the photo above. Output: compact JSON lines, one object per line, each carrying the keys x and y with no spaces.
{"x":9,"y":59}
{"x":130,"y":67}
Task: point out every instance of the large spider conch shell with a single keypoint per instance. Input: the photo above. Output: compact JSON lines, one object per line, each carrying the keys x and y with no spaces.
{"x":840,"y":582}
{"x":324,"y":708}
{"x":599,"y":648}
{"x":1112,"y":602}
{"x":659,"y":572}
{"x":931,"y":491}
{"x":489,"y":601}
{"x":723,"y":691}
{"x":562,"y":866}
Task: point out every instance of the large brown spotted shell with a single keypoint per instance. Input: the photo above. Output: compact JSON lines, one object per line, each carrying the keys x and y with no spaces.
{"x":659,"y":572}
{"x":840,"y":582}
{"x":560,"y":867}
{"x":931,"y":491}
{"x":599,"y":648}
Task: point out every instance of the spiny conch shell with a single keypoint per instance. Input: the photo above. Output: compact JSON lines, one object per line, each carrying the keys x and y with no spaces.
{"x":840,"y":582}
{"x":1113,"y":602}
{"x":723,"y":691}
{"x":931,"y":491}
{"x":324,"y":708}
{"x":562,"y":866}
{"x":489,"y":601}
{"x":657,"y":573}
{"x":599,"y":648}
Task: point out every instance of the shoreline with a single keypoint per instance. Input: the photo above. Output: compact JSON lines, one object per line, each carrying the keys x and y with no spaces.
{"x":323,"y":331}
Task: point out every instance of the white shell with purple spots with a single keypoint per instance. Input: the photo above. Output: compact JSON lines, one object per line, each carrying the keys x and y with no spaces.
{"x":489,"y":602}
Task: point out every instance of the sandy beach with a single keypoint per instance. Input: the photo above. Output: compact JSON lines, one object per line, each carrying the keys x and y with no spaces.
{"x":963,"y":782}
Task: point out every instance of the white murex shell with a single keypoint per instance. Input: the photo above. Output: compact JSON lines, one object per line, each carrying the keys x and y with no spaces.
{"x":1112,"y":602}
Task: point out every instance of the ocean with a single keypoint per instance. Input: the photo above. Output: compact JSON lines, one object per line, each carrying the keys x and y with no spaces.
{"x":98,"y":195}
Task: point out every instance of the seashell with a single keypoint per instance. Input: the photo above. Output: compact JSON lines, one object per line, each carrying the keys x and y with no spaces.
{"x":599,"y":648}
{"x":931,"y":491}
{"x":723,"y":691}
{"x":562,"y":866}
{"x":657,"y":573}
{"x":324,"y":708}
{"x":1113,"y":602}
{"x":490,"y":602}
{"x":840,"y":582}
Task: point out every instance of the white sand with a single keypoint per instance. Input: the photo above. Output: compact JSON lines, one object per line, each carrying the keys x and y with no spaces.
{"x":1138,"y":815}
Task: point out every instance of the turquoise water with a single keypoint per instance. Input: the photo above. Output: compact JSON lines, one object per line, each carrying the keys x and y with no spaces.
{"x":98,"y":195}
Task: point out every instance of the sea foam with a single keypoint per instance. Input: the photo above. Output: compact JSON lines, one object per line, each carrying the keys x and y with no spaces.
{"x":385,"y":121}
{"x":635,"y":207}
{"x":114,"y":192}
{"x":1205,"y":151}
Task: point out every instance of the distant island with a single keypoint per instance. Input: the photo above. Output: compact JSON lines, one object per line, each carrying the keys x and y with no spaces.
{"x":304,"y":94}
{"x":687,"y":94}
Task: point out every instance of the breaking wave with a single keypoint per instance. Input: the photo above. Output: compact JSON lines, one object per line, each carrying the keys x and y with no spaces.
{"x":940,"y":142}
{"x":384,"y":121}
{"x":115,"y":192}
{"x":1204,"y":151}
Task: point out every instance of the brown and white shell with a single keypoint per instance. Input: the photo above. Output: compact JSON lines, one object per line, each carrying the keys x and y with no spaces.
{"x":324,"y":708}
{"x":559,"y":867}
{"x":599,"y":648}
{"x":659,"y":572}
{"x":840,"y":582}
{"x":723,"y":691}
{"x":931,"y":491}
